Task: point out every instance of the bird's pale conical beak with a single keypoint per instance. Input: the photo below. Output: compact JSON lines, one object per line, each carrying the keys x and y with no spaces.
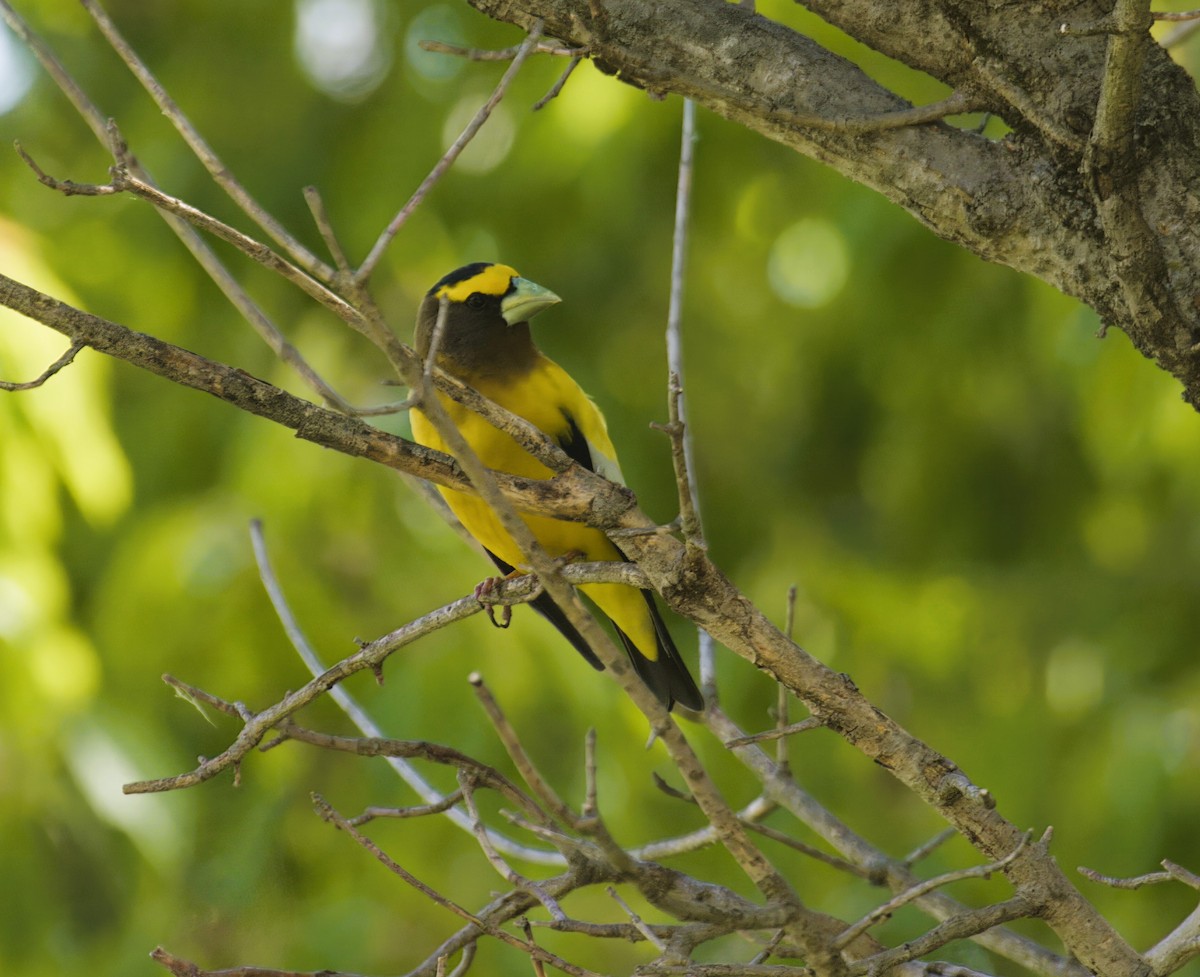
{"x":525,"y":301}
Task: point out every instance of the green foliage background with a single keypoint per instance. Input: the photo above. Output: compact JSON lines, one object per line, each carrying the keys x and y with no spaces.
{"x":990,"y":514}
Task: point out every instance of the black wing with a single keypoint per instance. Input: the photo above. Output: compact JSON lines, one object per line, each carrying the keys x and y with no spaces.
{"x":666,"y":676}
{"x":544,"y":604}
{"x":575,"y":444}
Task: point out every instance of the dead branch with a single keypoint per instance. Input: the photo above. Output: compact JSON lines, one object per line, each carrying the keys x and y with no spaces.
{"x":65,"y":360}
{"x":185,"y":968}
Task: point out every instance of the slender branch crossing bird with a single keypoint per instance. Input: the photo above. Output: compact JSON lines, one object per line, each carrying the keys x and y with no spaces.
{"x":485,"y":342}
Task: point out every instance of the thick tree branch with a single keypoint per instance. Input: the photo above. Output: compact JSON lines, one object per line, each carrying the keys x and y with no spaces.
{"x":1022,"y":201}
{"x":688,"y":581}
{"x":575,"y":494}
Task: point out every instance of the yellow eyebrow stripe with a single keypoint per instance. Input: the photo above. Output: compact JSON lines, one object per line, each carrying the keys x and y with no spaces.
{"x":493,"y":280}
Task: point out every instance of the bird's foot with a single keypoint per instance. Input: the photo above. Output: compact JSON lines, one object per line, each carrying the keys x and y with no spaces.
{"x":483,"y":591}
{"x":569,"y":557}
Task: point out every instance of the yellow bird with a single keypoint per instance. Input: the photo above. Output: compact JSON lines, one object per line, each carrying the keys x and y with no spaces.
{"x":486,"y":343}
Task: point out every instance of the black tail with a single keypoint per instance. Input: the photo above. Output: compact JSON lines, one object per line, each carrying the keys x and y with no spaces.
{"x":666,"y":676}
{"x":544,"y":604}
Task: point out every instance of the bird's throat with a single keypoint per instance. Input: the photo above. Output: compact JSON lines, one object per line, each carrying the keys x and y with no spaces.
{"x":486,"y":355}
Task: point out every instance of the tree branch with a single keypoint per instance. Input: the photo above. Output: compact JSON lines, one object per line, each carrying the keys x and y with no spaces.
{"x":65,"y":360}
{"x":1021,"y":202}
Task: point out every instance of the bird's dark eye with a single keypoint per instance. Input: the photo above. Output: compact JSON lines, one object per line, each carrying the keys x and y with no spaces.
{"x":475,"y":300}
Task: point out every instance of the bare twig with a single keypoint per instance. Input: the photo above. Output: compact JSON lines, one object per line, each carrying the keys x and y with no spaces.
{"x":958,"y":102}
{"x":1184,"y":875}
{"x":1171,"y":872}
{"x":204,"y":255}
{"x":435,"y":801}
{"x":764,"y":954}
{"x":636,"y":921}
{"x":520,"y":758}
{"x":435,"y":343}
{"x":1180,"y":34}
{"x":260,"y":253}
{"x":217,"y":169}
{"x":1177,"y":947}
{"x":749,"y":815}
{"x":914,"y":892}
{"x":681,"y":444}
{"x":961,"y":927}
{"x":480,"y":924}
{"x":676,"y":430}
{"x":327,"y":813}
{"x":185,"y":968}
{"x":68,"y":188}
{"x":466,"y":784}
{"x":53,"y":368}
{"x":526,"y":49}
{"x":816,"y":854}
{"x":125,"y":181}
{"x":1136,"y":882}
{"x":316,"y":206}
{"x":682,"y":454}
{"x":465,"y":961}
{"x":200,"y":696}
{"x":1175,"y":15}
{"x":923,"y":851}
{"x":591,"y":805}
{"x":370,"y":656}
{"x":780,"y":732}
{"x":557,"y":87}
{"x":539,"y":969}
{"x":416,"y":811}
{"x":880,"y":869}
{"x":498,"y":54}
{"x":782,"y":695}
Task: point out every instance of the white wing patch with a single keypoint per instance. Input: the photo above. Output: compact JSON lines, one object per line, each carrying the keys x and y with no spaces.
{"x":605,"y":465}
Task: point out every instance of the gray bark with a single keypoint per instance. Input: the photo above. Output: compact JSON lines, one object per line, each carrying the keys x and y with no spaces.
{"x":1096,"y":190}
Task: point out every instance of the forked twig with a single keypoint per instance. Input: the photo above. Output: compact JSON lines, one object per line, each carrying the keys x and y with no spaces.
{"x":360,"y":717}
{"x":217,"y":169}
{"x":328,"y":813}
{"x":1171,"y":873}
{"x":511,"y":876}
{"x":528,"y":46}
{"x":961,"y":927}
{"x":682,"y":454}
{"x":204,"y":255}
{"x":520,"y":758}
{"x":880,"y":913}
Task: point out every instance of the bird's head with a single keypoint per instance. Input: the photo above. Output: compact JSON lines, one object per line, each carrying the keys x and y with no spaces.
{"x":488,"y":308}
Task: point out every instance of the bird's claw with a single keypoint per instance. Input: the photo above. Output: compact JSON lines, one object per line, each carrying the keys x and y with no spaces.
{"x":483,"y":590}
